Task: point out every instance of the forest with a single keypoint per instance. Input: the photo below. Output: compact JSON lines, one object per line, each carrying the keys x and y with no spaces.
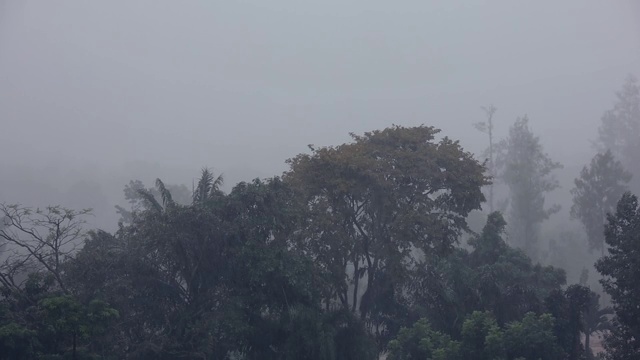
{"x":399,"y":244}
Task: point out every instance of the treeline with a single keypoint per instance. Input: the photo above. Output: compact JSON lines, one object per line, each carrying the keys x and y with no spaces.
{"x":353,"y":252}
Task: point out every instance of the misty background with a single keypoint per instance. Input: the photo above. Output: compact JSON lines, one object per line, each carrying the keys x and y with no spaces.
{"x":94,"y":94}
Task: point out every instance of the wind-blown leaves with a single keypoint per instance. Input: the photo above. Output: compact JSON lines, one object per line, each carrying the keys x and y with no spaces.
{"x":167,"y":199}
{"x":208,"y":185}
{"x":150,"y":201}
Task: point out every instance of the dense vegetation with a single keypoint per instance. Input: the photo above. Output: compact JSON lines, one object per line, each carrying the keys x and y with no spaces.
{"x":353,"y":252}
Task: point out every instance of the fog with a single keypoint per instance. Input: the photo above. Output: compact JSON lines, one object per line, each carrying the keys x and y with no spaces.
{"x":93,"y":94}
{"x":360,"y":252}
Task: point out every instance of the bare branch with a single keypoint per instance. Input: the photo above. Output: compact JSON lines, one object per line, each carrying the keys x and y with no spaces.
{"x":39,"y":240}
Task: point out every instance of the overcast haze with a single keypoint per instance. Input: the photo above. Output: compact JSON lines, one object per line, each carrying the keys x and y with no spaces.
{"x":98,"y":92}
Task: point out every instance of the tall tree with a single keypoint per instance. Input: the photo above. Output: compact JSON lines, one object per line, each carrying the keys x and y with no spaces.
{"x":621,"y":271}
{"x":376,"y":201}
{"x":596,"y":194}
{"x":487,"y":128}
{"x":526,"y":170}
{"x":620,"y":129}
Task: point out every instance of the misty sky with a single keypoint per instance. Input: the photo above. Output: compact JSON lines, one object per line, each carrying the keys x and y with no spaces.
{"x":88,"y":87}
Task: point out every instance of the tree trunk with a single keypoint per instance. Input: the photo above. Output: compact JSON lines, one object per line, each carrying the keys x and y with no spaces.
{"x":356,"y":280}
{"x":73,"y":353}
{"x":587,"y":347}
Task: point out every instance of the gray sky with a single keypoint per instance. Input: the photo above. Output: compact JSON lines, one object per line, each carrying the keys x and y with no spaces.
{"x":88,"y":86}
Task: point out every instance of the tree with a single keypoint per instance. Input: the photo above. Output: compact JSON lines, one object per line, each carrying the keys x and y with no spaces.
{"x":596,"y":194}
{"x":40,"y":321}
{"x":482,"y":338}
{"x":620,"y":129}
{"x":166,"y":271}
{"x":487,"y":128}
{"x":373,"y":203}
{"x":66,"y":323}
{"x":621,"y":271}
{"x":532,"y":338}
{"x":39,"y":240}
{"x":527,"y":172}
{"x":506,"y":281}
{"x":422,"y":342}
{"x":491,"y":277}
{"x":137,"y":195}
{"x":578,"y":303}
{"x":214,"y":278}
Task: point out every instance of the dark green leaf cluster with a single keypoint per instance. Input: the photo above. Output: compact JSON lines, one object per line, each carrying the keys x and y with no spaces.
{"x":509,"y":290}
{"x":621,"y":271}
{"x":482,"y":339}
{"x":492,"y":277}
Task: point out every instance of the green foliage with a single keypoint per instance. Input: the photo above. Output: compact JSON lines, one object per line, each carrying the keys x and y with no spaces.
{"x":351,"y":253}
{"x":482,"y":338}
{"x":66,"y":324}
{"x":532,"y":338}
{"x":217,"y":277}
{"x":422,"y":342}
{"x":41,"y":323}
{"x":621,"y":271}
{"x":370,"y":204}
{"x":17,"y":342}
{"x":493,"y":277}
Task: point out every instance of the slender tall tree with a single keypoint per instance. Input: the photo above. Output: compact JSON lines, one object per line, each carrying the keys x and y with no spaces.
{"x":527,"y":172}
{"x":487,"y":128}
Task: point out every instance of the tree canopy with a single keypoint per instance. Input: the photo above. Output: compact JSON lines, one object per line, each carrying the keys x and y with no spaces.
{"x":373,"y":204}
{"x":353,"y":252}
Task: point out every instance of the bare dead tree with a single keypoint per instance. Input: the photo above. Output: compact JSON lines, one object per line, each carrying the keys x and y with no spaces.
{"x":38,"y":240}
{"x":487,"y":128}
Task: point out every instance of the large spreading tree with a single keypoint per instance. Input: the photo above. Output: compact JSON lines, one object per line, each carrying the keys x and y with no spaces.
{"x":376,"y":203}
